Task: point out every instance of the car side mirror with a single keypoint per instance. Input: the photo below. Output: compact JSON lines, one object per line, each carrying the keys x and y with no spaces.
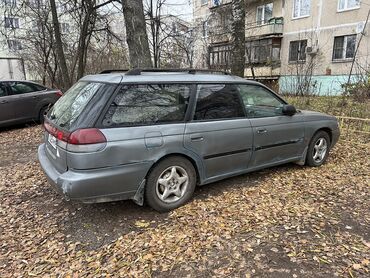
{"x":289,"y":110}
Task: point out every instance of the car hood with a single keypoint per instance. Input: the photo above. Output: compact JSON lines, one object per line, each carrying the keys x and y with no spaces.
{"x":315,"y":116}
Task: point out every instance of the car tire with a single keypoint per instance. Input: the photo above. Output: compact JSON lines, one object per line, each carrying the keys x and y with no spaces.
{"x":318,"y":149}
{"x":42,"y":113}
{"x":170,"y":184}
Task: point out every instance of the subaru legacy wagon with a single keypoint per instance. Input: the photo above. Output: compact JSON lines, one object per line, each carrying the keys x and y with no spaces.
{"x":152,"y":136}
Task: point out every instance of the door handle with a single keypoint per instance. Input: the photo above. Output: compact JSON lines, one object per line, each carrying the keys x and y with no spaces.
{"x":196,"y":138}
{"x":261,"y":131}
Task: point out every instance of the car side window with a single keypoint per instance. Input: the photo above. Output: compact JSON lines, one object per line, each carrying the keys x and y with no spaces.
{"x":148,"y":104}
{"x":259,"y":102}
{"x":18,"y":88}
{"x":3,"y":92}
{"x":217,"y":102}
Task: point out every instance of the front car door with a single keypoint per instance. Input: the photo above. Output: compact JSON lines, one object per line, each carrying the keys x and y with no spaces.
{"x":25,"y":97}
{"x":277,"y":138}
{"x":7,"y":112}
{"x":219,"y":133}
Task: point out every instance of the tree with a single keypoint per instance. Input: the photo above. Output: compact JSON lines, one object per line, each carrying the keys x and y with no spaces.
{"x":136,"y":35}
{"x":238,"y":38}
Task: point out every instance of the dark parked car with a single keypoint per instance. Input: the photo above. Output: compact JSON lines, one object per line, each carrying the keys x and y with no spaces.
{"x":24,"y":101}
{"x":155,"y":136}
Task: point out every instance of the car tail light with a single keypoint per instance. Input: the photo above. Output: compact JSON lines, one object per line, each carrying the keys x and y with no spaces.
{"x":59,"y":93}
{"x":80,"y":140}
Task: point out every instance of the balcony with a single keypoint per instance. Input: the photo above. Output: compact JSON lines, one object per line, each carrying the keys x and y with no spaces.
{"x":274,"y":27}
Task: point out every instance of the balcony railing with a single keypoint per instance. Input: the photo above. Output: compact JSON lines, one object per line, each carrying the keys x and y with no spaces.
{"x":273,"y":27}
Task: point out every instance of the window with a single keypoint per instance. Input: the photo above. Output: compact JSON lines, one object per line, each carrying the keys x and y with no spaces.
{"x":264,"y":13}
{"x":148,"y":104}
{"x":217,"y":102}
{"x":18,"y":88}
{"x":348,"y":4}
{"x":3,"y":92}
{"x":259,"y":102}
{"x":204,"y":29}
{"x":11,"y":3}
{"x":11,"y":22}
{"x":64,"y":28}
{"x":219,"y":56}
{"x":68,"y":108}
{"x":203,"y":2}
{"x":14,"y":45}
{"x":301,"y":8}
{"x":297,"y":51}
{"x":344,"y":47}
{"x":263,"y":51}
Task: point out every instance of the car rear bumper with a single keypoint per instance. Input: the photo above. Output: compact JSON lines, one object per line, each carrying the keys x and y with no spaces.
{"x":95,"y":185}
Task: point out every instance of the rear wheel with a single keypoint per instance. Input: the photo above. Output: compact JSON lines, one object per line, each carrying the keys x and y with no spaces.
{"x":43,"y":111}
{"x":318,"y":149}
{"x":170,"y":184}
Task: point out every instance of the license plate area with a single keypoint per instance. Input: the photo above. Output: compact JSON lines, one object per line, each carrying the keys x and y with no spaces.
{"x":52,"y":141}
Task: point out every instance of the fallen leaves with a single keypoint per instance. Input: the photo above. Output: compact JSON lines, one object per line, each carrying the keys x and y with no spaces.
{"x":290,"y":220}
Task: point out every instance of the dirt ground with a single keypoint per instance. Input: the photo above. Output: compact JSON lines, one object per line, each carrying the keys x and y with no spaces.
{"x":287,"y":221}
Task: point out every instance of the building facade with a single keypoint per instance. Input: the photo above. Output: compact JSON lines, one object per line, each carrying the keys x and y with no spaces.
{"x":292,"y":45}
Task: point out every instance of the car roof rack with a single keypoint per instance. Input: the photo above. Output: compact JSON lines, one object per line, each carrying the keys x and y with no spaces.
{"x":138,"y":71}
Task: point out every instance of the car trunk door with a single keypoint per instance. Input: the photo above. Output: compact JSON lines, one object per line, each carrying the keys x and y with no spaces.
{"x":56,"y":152}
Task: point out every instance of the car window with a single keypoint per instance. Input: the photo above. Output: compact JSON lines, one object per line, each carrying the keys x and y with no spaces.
{"x":70,"y":106}
{"x":218,"y":101}
{"x":39,"y":87}
{"x":148,"y":104}
{"x":259,"y":102}
{"x":18,"y":88}
{"x":3,"y":92}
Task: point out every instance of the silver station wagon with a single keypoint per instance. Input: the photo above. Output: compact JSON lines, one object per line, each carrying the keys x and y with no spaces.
{"x":152,"y":136}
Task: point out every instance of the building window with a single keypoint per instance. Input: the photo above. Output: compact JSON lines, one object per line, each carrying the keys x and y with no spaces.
{"x":263,"y":51}
{"x":35,"y":3}
{"x":348,"y":4}
{"x":11,"y":22}
{"x":297,"y":51}
{"x":301,"y":8}
{"x":64,"y":28}
{"x":204,"y":29}
{"x":11,"y":3}
{"x":203,"y":2}
{"x":344,"y":47}
{"x":14,"y":45}
{"x":264,"y":13}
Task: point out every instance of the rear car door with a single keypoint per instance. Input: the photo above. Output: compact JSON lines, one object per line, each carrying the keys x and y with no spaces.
{"x":7,"y":112}
{"x":25,"y":96}
{"x":277,"y":137}
{"x":219,"y":133}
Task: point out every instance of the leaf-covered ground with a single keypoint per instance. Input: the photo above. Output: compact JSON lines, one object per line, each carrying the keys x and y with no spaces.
{"x":288,"y":221}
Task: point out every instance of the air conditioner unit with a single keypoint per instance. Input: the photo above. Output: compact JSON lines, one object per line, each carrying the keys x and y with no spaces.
{"x":312,"y":50}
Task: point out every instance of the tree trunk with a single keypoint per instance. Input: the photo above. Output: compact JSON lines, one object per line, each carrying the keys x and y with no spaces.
{"x":59,"y":47}
{"x":238,"y":34}
{"x":136,"y":35}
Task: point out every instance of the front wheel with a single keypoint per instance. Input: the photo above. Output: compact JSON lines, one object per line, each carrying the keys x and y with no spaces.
{"x":318,"y":149}
{"x":170,"y":184}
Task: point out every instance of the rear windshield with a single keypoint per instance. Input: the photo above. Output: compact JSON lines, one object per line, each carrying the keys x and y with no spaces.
{"x":69,"y":107}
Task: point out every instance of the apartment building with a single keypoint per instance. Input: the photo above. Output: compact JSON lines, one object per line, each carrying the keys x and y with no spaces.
{"x":290,"y":44}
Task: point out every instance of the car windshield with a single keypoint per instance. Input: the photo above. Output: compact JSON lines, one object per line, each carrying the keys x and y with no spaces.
{"x":67,"y":109}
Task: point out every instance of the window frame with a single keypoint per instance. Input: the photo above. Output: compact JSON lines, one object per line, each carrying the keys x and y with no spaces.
{"x":263,"y":6}
{"x":9,"y":22}
{"x":299,"y":16}
{"x":344,"y":50}
{"x":192,"y":86}
{"x":339,"y":10}
{"x":298,"y":52}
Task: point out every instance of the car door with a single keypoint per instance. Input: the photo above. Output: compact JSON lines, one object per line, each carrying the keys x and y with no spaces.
{"x":277,"y":137}
{"x":25,"y":97}
{"x":219,"y":133}
{"x":7,"y":112}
